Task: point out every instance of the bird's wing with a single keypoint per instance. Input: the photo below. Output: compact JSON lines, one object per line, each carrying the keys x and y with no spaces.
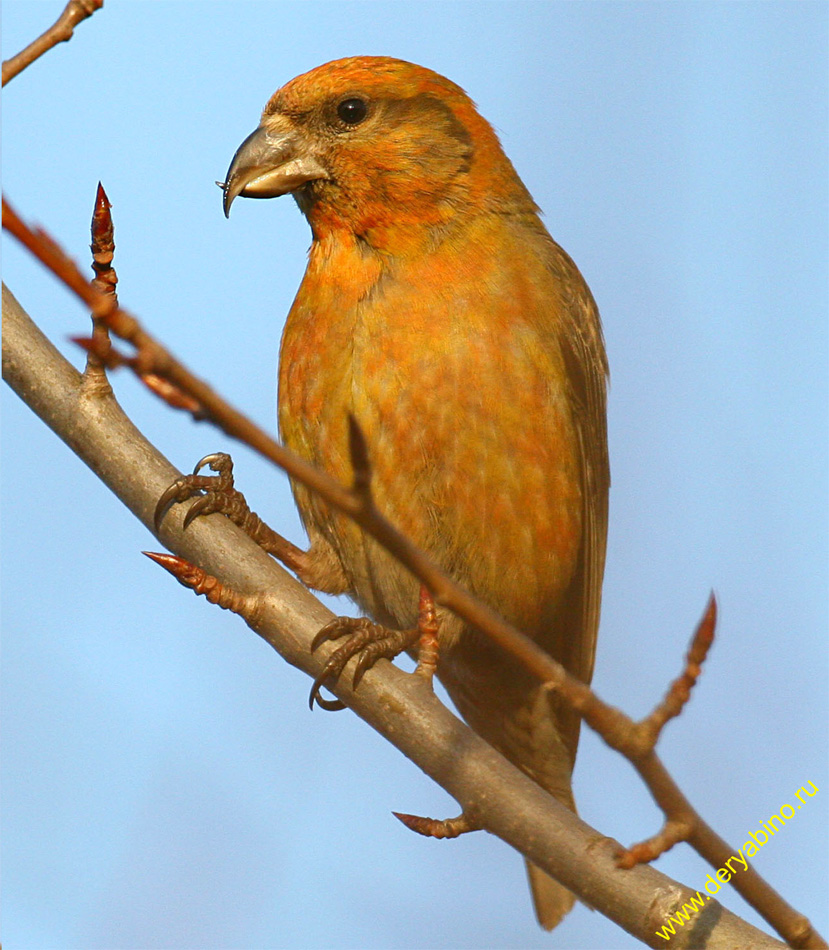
{"x":584,"y":355}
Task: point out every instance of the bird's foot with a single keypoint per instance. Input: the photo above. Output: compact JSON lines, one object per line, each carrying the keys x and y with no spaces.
{"x":367,"y":641}
{"x":370,"y":642}
{"x":440,"y":827}
{"x":216,"y":494}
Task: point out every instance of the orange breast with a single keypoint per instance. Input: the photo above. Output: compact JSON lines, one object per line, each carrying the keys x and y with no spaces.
{"x":453,"y":371}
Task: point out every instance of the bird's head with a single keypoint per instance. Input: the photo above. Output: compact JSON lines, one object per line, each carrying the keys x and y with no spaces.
{"x":369,"y":144}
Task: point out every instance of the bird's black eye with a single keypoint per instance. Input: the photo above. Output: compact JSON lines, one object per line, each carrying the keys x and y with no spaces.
{"x":352,"y":111}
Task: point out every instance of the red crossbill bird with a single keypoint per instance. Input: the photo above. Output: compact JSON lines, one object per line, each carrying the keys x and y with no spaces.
{"x":438,"y":312}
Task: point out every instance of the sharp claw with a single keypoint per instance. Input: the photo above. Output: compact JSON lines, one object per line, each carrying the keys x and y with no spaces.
{"x":364,"y":664}
{"x":319,"y":639}
{"x":195,"y":510}
{"x":330,"y":705}
{"x":340,"y":627}
{"x":328,"y":632}
{"x":192,"y":486}
{"x":163,"y":504}
{"x":211,"y":460}
{"x":315,"y":691}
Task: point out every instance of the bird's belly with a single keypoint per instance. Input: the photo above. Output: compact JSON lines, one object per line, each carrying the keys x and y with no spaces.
{"x":473,"y":452}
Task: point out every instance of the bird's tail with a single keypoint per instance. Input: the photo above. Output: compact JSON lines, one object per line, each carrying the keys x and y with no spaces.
{"x":524,"y":723}
{"x":551,"y":899}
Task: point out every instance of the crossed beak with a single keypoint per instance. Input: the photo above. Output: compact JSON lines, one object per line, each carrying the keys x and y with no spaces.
{"x":274,"y":160}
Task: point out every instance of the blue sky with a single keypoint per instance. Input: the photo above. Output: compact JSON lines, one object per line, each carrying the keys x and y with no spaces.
{"x":164,"y":784}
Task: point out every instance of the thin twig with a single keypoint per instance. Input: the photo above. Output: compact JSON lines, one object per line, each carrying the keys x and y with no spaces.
{"x":59,"y":32}
{"x":680,"y":690}
{"x":103,"y":245}
{"x":103,"y":252}
{"x":205,"y":585}
{"x":617,"y":729}
{"x":439,"y":828}
{"x":105,"y":280}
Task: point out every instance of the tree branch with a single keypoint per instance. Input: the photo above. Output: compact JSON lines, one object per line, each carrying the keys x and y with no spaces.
{"x":59,"y":32}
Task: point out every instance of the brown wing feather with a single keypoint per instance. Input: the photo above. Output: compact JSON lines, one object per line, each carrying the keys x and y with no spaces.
{"x":584,"y":354}
{"x":571,"y":637}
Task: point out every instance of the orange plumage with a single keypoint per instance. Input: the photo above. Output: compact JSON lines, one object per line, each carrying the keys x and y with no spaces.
{"x":437,"y":310}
